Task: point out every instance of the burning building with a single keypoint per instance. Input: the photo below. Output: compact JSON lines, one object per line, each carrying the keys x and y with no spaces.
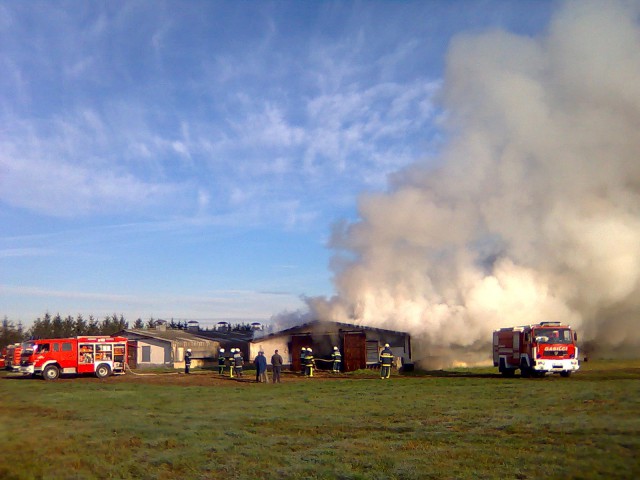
{"x":360,"y":345}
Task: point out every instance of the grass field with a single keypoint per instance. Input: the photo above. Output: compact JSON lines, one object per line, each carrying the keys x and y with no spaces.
{"x":463,"y":423}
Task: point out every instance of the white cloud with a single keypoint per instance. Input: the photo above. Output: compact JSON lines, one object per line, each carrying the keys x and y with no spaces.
{"x":23,"y":252}
{"x":259,"y":124}
{"x":242,"y":304}
{"x":63,"y":170}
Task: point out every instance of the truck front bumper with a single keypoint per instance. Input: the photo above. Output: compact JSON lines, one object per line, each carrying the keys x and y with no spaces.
{"x":570,"y":365}
{"x":28,"y":370}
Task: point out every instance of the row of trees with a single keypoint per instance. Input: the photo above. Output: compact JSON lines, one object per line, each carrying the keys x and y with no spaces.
{"x":10,"y":332}
{"x":58,"y":327}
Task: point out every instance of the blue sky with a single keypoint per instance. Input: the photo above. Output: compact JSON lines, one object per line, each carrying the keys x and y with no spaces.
{"x":188,"y":159}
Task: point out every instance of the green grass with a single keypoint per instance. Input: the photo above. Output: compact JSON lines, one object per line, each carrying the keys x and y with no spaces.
{"x":459,"y":423}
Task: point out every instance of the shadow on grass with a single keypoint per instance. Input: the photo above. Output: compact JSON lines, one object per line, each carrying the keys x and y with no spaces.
{"x":14,"y":376}
{"x":452,"y":374}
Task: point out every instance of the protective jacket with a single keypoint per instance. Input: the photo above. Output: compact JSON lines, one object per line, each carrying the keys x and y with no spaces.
{"x":238,"y":361}
{"x":386,"y":357}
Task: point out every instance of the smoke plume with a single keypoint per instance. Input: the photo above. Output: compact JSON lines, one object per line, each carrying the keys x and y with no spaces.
{"x":532,"y":212}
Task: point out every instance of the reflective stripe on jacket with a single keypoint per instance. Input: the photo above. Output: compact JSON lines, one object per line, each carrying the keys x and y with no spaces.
{"x":386,"y":357}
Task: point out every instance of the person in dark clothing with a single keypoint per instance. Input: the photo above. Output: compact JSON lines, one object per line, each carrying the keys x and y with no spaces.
{"x":261,"y":368}
{"x":276,"y":363}
{"x":303,"y":362}
{"x":336,"y":356}
{"x":386,"y":360}
{"x":238,"y":362}
{"x":232,"y":362}
{"x":187,"y":361}
{"x":221,"y":361}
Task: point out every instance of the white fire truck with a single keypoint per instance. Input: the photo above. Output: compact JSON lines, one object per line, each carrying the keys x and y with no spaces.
{"x":99,"y":355}
{"x":548,"y":347}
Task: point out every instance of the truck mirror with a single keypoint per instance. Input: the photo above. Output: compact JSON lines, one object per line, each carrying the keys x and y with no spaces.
{"x":575,"y":337}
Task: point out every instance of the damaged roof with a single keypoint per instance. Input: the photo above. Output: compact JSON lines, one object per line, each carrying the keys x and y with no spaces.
{"x":320,"y":323}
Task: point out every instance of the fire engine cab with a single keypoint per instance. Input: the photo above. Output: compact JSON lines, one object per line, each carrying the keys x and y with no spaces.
{"x":548,"y":347}
{"x":99,"y":355}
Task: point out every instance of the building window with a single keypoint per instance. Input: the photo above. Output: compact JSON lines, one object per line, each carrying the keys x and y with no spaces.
{"x":373,"y":353}
{"x":146,"y":354}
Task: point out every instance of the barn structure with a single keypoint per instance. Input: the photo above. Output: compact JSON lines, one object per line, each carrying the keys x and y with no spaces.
{"x":162,"y":347}
{"x":360,"y":345}
{"x":228,"y":339}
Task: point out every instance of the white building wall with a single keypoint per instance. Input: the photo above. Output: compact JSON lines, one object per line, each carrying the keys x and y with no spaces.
{"x":158,"y":352}
{"x":269,"y":346}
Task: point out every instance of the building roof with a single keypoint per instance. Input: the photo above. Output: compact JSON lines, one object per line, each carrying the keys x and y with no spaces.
{"x":181,"y":337}
{"x":320,"y":323}
{"x":227,"y":336}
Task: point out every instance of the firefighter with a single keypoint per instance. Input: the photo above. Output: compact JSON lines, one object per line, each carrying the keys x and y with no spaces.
{"x":238,"y":362}
{"x":231,"y":362}
{"x":386,"y":359}
{"x":309,"y":363}
{"x":221,"y":361}
{"x":337,"y":360}
{"x":303,"y":362}
{"x":187,"y":360}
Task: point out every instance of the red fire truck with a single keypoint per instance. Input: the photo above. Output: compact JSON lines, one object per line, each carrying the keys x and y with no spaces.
{"x":101,"y":356}
{"x":548,"y":347}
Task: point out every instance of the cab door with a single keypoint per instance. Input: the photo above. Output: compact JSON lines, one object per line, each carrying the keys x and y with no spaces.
{"x":65,"y":351}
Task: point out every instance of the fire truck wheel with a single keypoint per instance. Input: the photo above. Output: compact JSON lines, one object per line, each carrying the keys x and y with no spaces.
{"x":507,"y":372}
{"x":565,"y":374}
{"x":50,"y":372}
{"x":103,"y":371}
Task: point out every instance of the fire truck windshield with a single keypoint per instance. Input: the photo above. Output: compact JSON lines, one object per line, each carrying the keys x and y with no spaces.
{"x":29,"y":348}
{"x":552,"y":335}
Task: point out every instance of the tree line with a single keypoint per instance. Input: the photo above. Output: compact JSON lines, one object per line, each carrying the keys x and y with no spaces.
{"x":55,"y":326}
{"x":58,"y":327}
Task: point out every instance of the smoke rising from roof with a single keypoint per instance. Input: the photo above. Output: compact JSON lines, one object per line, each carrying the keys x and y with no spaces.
{"x":533,"y":210}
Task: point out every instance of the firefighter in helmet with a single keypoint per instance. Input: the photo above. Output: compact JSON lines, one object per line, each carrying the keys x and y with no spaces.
{"x":232,"y":362}
{"x":221,"y":360}
{"x":303,"y":362}
{"x":386,"y":360}
{"x":187,"y":361}
{"x":309,"y":363}
{"x":238,"y":362}
{"x":336,"y":356}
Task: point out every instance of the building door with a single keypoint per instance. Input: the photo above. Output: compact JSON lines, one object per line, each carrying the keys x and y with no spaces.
{"x":297,"y":342}
{"x":355,"y":351}
{"x":132,"y":353}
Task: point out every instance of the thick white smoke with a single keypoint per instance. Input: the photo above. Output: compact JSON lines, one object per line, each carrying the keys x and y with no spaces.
{"x":533,"y":212}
